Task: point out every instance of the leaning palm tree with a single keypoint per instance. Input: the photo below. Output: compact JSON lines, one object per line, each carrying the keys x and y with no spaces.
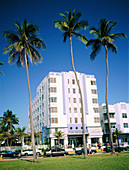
{"x":104,"y":37}
{"x":24,"y":46}
{"x":20,"y":132}
{"x":71,"y":25}
{"x":1,"y":65}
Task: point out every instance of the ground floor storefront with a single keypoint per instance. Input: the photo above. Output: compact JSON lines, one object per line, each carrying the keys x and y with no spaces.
{"x":76,"y":140}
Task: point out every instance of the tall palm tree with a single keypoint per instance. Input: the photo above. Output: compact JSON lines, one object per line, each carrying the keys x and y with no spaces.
{"x":104,"y":37}
{"x":1,"y":65}
{"x":24,"y":46}
{"x":71,"y":25}
{"x":21,"y":133}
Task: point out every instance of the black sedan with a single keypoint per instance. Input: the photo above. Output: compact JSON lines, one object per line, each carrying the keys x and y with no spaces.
{"x":55,"y":152}
{"x":81,"y":152}
{"x":9,"y":154}
{"x":117,"y":149}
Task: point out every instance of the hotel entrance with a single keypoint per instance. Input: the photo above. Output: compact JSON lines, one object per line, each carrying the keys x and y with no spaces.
{"x":77,"y":140}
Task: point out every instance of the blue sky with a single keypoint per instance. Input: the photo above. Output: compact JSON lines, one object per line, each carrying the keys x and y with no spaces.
{"x":56,"y":57}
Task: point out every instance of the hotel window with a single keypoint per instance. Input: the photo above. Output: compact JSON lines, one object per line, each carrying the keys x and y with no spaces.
{"x":70,"y":120}
{"x":125,"y":125}
{"x":68,"y":90}
{"x":73,"y":81}
{"x":96,"y":120}
{"x":68,"y":81}
{"x":94,"y":100}
{"x":52,"y":89}
{"x":75,"y":110}
{"x":53,"y":110}
{"x":71,"y":128}
{"x":74,"y":100}
{"x":76,"y":127}
{"x":96,"y":110}
{"x":52,"y":99}
{"x":93,"y":91}
{"x":42,"y":96}
{"x":124,"y":115}
{"x":74,"y":90}
{"x":113,"y":125}
{"x":76,"y":120}
{"x":111,"y":115}
{"x":93,"y":82}
{"x":54,"y":120}
{"x":70,"y":110}
{"x":52,"y":80}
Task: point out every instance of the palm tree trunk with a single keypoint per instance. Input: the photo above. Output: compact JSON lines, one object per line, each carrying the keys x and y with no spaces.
{"x":30,"y":113}
{"x":83,"y":125}
{"x":110,"y":131}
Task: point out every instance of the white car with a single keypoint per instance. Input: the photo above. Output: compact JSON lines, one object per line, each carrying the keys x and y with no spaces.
{"x":30,"y":152}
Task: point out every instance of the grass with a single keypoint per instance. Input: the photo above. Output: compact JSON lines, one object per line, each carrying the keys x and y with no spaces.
{"x":94,"y":162}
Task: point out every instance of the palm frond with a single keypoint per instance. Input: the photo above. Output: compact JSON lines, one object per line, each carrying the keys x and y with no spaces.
{"x":81,"y":37}
{"x":95,"y":51}
{"x":83,"y":24}
{"x":63,"y":17}
{"x":113,"y":24}
{"x":117,"y":35}
{"x":8,"y":49}
{"x":10,"y":37}
{"x":65,"y":35}
{"x":112,"y":47}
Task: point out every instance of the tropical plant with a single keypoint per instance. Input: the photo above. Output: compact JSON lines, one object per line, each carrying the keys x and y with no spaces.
{"x":116,"y":134}
{"x":37,"y":135}
{"x":1,"y":65}
{"x":21,"y":133}
{"x":24,"y":45}
{"x":104,"y":37}
{"x":58,"y":134}
{"x":8,"y":121}
{"x":8,"y":138}
{"x":71,"y":25}
{"x":7,"y":124}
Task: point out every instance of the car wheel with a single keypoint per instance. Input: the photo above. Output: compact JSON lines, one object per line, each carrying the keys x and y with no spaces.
{"x":26,"y":154}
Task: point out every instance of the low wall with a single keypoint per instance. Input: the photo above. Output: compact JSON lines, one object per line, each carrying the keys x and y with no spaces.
{"x":13,"y":148}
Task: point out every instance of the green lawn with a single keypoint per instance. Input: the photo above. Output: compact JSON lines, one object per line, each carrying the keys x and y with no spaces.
{"x":105,"y":161}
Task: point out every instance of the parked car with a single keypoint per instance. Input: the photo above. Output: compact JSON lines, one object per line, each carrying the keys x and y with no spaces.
{"x":117,"y":149}
{"x":30,"y":152}
{"x":81,"y":152}
{"x":55,"y":152}
{"x":9,"y":154}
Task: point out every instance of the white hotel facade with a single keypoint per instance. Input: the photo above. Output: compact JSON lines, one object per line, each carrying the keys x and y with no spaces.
{"x":57,"y":106}
{"x":119,"y":118}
